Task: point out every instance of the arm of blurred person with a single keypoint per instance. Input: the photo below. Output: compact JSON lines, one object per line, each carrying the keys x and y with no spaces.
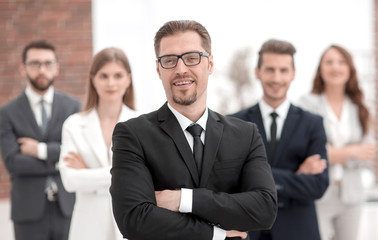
{"x":21,"y":156}
{"x":76,"y":173}
{"x":306,"y":187}
{"x":363,"y":151}
{"x":312,"y":165}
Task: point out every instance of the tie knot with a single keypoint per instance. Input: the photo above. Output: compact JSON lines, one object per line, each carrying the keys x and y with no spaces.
{"x":274,"y":115}
{"x":195,"y":130}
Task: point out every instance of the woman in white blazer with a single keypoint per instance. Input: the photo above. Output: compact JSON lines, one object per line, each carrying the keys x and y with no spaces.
{"x":86,"y":155}
{"x":337,"y":97}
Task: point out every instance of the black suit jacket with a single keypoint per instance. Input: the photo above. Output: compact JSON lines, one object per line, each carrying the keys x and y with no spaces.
{"x":28,"y":174}
{"x":302,"y":135}
{"x":235,"y":191}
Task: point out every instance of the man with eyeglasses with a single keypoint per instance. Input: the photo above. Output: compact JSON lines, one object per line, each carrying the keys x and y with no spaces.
{"x":30,"y":137}
{"x":185,"y":171}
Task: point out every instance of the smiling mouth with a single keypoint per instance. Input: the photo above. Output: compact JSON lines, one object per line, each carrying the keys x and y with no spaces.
{"x":183,"y":83}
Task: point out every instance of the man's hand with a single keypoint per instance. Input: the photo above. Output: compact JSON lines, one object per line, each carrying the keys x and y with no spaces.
{"x":234,"y":233}
{"x":28,"y":146}
{"x":312,"y":165}
{"x":168,"y":199}
{"x":74,"y":160}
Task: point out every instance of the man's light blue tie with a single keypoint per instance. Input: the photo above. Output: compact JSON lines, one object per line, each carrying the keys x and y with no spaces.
{"x":43,"y":116}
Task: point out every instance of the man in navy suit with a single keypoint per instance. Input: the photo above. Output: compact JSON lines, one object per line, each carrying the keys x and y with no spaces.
{"x":295,"y":142}
{"x":30,"y":136}
{"x":165,"y":185}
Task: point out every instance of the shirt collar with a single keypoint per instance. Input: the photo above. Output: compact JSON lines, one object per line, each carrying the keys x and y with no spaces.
{"x":35,"y":98}
{"x":186,"y":122}
{"x":281,"y":110}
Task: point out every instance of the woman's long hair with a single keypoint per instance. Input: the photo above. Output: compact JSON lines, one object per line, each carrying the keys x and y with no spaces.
{"x":352,"y":89}
{"x":105,"y":56}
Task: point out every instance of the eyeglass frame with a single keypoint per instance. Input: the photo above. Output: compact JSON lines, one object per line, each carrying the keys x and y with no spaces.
{"x":48,"y":64}
{"x":201,"y":54}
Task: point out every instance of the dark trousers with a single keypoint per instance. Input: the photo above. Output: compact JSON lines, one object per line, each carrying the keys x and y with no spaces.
{"x":51,"y":226}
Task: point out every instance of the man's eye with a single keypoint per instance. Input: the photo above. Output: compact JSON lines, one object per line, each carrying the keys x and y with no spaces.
{"x":169,"y":61}
{"x":48,"y":63}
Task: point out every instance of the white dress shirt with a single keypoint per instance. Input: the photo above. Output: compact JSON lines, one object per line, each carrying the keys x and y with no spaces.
{"x":35,"y":104}
{"x":281,"y":110}
{"x":186,"y":202}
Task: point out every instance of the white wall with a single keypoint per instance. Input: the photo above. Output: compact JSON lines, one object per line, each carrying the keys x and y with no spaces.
{"x":233,"y":25}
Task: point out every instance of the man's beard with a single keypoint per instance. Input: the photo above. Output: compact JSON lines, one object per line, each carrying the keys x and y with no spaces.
{"x":186,"y":101}
{"x":40,"y":87}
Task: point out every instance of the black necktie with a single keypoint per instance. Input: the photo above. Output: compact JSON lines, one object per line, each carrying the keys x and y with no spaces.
{"x":43,"y":116}
{"x":196,"y":131}
{"x":273,"y":135}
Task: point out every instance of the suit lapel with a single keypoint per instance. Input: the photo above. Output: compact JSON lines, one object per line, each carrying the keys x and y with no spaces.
{"x":26,"y":109}
{"x":92,"y":133}
{"x":254,"y":115}
{"x":54,"y":112}
{"x":213,"y":136}
{"x":170,"y":125}
{"x":288,"y":130}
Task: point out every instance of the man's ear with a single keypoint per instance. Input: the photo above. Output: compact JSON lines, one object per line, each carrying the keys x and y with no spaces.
{"x":57,"y":69}
{"x":211,"y":64}
{"x":157,"y":67}
{"x":257,"y":73}
{"x":22,"y":69}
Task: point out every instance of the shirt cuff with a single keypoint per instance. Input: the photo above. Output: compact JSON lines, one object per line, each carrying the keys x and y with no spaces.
{"x":186,"y":202}
{"x":42,"y":151}
{"x":219,"y":233}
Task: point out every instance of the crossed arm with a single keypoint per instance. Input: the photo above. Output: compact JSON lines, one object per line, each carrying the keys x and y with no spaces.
{"x":170,"y":199}
{"x":20,"y":155}
{"x":142,"y":213}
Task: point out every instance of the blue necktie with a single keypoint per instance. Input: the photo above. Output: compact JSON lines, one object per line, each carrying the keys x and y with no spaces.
{"x":43,"y":116}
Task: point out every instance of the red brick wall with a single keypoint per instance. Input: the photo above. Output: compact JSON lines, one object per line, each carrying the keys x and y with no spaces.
{"x":65,"y":23}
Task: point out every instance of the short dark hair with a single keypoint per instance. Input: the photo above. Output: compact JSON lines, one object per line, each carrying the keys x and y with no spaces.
{"x":276,"y":46}
{"x":173,"y":27}
{"x":39,"y":44}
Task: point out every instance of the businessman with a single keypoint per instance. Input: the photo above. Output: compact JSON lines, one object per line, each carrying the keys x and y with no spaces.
{"x":184,"y":171}
{"x":295,"y":141}
{"x":30,"y":134}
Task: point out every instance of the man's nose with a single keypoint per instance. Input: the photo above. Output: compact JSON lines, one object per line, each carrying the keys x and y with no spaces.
{"x":181,"y":67}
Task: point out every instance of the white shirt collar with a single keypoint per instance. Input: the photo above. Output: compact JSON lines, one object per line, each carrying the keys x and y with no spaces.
{"x":35,"y":98}
{"x":186,"y":122}
{"x":281,"y":110}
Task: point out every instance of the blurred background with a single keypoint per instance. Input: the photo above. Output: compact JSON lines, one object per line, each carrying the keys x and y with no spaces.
{"x":81,"y":28}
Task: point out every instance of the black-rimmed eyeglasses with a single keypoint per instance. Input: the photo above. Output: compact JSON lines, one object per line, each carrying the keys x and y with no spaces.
{"x":189,"y":59}
{"x":38,"y":64}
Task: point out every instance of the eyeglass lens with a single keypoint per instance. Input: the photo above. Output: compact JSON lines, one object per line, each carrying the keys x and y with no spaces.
{"x":189,"y":59}
{"x":38,"y":64}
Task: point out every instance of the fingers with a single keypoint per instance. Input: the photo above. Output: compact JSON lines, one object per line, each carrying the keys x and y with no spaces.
{"x":23,"y":140}
{"x":234,"y":233}
{"x":314,"y":157}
